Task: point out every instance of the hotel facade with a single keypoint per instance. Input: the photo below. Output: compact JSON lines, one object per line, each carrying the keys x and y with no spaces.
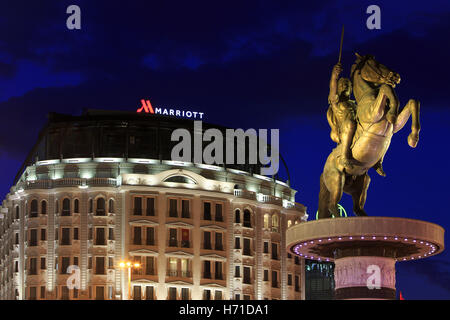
{"x":100,"y":189}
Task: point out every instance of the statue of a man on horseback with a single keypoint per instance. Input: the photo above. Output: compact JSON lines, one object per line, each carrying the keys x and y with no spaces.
{"x":363,"y":131}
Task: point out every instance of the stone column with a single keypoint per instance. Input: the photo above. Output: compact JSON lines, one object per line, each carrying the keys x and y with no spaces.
{"x":365,"y":277}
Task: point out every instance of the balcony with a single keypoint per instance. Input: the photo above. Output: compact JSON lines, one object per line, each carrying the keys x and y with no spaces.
{"x":179,"y":244}
{"x":240,"y":193}
{"x":177,"y":273}
{"x":70,"y":182}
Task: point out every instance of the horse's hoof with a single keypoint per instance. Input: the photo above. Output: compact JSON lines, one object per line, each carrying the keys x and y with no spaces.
{"x":413,"y":139}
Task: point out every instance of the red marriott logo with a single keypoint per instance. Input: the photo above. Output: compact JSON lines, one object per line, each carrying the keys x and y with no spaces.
{"x":146,"y":107}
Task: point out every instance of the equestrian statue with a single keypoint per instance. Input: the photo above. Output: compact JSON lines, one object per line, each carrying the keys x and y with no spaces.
{"x":362,"y":130}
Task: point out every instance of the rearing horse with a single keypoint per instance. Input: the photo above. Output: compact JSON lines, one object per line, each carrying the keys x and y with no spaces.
{"x":378,"y":118}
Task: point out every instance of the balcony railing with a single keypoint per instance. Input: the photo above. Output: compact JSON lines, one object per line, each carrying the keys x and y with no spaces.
{"x":179,"y":244}
{"x":70,"y":182}
{"x":177,"y":273}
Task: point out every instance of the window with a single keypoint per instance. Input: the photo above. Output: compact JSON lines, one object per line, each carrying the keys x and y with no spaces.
{"x":274,"y":279}
{"x":219,"y":216}
{"x":266,"y":221}
{"x":65,"y":293}
{"x":185,"y":293}
{"x":289,"y":223}
{"x":137,"y":293}
{"x":43,"y":207}
{"x":110,"y":263}
{"x":34,"y":209}
{"x":150,"y":241}
{"x":149,"y":293}
{"x":65,"y":236}
{"x":218,"y":270}
{"x":289,"y":279}
{"x":137,"y":259}
{"x":266,"y":247}
{"x":110,"y":234}
{"x":99,"y":293}
{"x":42,"y":292}
{"x":206,"y":211}
{"x":91,"y":206}
{"x":100,"y":265}
{"x":33,"y":293}
{"x":173,"y":267}
{"x":247,"y":219}
{"x":247,"y":250}
{"x":76,"y":206}
{"x":206,"y":240}
{"x":185,"y":238}
{"x":237,"y":216}
{"x":237,"y":243}
{"x":33,"y":238}
{"x":275,"y":223}
{"x":100,"y":209}
{"x":173,"y":211}
{"x":149,"y":266}
{"x":65,"y":263}
{"x":218,"y":295}
{"x":185,"y":268}
{"x":16,"y":266}
{"x":111,"y":206}
{"x":66,"y":207}
{"x":100,"y":236}
{"x":218,"y":241}
{"x":247,"y":275}
{"x":33,"y":266}
{"x":274,"y":251}
{"x":207,"y":269}
{"x":173,"y":238}
{"x":297,"y":285}
{"x":16,"y":238}
{"x":150,"y":209}
{"x":172,"y":293}
{"x":206,"y":294}
{"x":76,"y":234}
{"x":17,"y":213}
{"x":137,"y":235}
{"x":43,"y":263}
{"x":266,"y":275}
{"x":185,"y":209}
{"x":137,"y":206}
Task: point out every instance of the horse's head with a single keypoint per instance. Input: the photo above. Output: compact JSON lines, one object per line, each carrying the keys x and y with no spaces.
{"x":373,"y":71}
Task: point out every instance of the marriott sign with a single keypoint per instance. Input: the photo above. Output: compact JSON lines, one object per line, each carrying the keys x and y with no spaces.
{"x":148,"y":108}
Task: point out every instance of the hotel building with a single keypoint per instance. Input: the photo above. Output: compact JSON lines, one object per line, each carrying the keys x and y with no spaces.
{"x":100,"y":189}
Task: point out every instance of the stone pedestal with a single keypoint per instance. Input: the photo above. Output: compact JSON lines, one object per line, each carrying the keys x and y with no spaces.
{"x":365,"y":250}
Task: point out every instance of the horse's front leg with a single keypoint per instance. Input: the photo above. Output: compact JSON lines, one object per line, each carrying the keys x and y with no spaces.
{"x":411,"y":108}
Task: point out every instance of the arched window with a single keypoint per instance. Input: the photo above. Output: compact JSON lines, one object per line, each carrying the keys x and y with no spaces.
{"x":275,"y":223}
{"x":76,"y":206}
{"x":100,"y":211}
{"x":180,"y":179}
{"x":266,"y":221}
{"x":43,"y":207}
{"x":34,"y":208}
{"x":17,"y":213}
{"x":111,"y":206}
{"x":237,"y":216}
{"x":247,"y":219}
{"x":66,"y":207}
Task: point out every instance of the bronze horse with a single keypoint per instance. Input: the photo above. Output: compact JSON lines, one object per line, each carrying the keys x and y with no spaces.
{"x":378,"y":118}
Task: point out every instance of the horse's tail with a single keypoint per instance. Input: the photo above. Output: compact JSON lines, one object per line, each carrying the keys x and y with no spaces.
{"x":324,"y":200}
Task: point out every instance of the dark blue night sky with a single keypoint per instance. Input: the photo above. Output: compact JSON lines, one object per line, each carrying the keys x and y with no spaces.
{"x":258,"y":64}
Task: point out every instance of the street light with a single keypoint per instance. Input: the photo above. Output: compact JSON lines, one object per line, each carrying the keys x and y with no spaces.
{"x":129,"y":265}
